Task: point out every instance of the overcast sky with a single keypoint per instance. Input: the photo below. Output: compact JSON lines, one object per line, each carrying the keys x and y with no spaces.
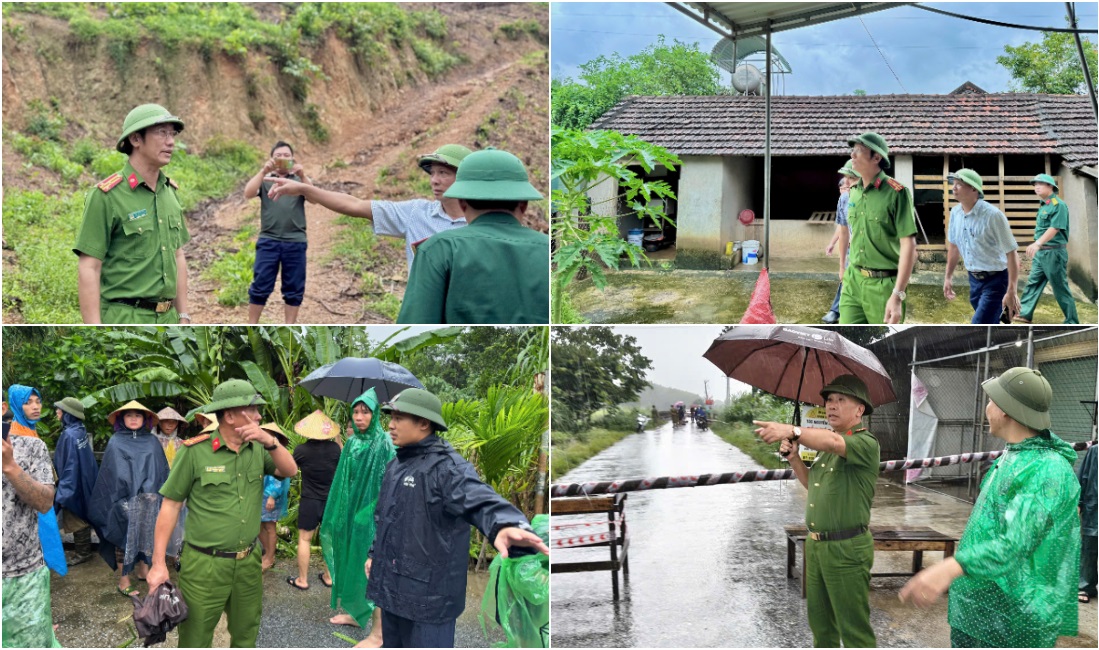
{"x":931,"y":54}
{"x":676,"y":352}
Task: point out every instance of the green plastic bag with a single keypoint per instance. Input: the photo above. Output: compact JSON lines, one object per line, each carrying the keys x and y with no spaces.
{"x":517,"y":597}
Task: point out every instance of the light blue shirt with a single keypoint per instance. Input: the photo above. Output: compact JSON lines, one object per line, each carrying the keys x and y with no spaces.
{"x":414,"y":220}
{"x":983,"y":236}
{"x":841,"y":210}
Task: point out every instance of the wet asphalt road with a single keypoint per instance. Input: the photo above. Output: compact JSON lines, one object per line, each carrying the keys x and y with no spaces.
{"x":91,"y":614}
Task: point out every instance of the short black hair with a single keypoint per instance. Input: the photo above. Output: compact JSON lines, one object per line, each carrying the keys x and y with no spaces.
{"x":280,"y":143}
{"x":506,"y":206}
{"x":127,"y":146}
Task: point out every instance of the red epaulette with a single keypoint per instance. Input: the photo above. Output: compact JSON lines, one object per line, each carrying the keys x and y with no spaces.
{"x":174,"y":184}
{"x":895,"y":184}
{"x":190,"y":442}
{"x":107,"y":184}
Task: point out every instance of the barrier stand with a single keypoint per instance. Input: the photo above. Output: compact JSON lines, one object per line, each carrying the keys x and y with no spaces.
{"x":616,"y":537}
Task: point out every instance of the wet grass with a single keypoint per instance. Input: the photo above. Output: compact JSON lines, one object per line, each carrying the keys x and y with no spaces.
{"x":570,"y":453}
{"x":717,"y":297}
{"x":741,"y":436}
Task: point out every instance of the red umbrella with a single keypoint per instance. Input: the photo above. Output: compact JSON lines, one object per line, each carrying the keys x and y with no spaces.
{"x":797,"y":362}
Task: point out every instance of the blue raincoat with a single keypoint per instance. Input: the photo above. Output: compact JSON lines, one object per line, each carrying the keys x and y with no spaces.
{"x":76,"y":468}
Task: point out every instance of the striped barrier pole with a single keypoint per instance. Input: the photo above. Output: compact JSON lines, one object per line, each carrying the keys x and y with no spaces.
{"x":701,"y":480}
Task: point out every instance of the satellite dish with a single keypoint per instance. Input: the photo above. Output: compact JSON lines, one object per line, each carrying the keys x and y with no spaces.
{"x":747,"y":79}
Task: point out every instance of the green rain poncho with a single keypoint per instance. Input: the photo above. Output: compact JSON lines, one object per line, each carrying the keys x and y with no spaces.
{"x":347,"y":530}
{"x":516,"y":598}
{"x":1021,"y":550}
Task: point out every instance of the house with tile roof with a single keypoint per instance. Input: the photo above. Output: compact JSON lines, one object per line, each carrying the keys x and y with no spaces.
{"x":1008,"y":138}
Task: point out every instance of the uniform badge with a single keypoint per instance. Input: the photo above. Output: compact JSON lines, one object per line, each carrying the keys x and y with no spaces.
{"x":195,"y":440}
{"x":895,"y":184}
{"x":107,"y":184}
{"x":132,"y":180}
{"x":215,"y":469}
{"x":137,"y":215}
{"x":410,"y":481}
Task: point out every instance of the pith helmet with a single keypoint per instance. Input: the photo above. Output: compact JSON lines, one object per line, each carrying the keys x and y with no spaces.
{"x":1023,"y":394}
{"x":419,"y":402}
{"x":875,"y":143}
{"x":970,"y":178}
{"x":233,"y":394}
{"x":145,"y":116}
{"x":73,"y":407}
{"x":492,"y":175}
{"x":1045,"y":178}
{"x":448,"y":154}
{"x":851,"y":386}
{"x":132,"y":405}
{"x":848,"y":170}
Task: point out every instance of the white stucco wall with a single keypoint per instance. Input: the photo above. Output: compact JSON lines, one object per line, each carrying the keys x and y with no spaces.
{"x":901,"y":170}
{"x":1079,"y":192}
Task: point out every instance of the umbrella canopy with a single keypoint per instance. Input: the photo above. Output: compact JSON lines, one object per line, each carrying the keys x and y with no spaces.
{"x":350,"y":377}
{"x":797,"y":362}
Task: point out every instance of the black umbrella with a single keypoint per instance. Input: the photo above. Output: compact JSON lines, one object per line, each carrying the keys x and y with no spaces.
{"x":350,"y":377}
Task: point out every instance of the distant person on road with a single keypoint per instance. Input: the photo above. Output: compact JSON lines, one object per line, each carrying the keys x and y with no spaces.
{"x":1012,"y":578}
{"x":1048,"y":253}
{"x":282,"y":241}
{"x":132,"y":269}
{"x":28,"y":489}
{"x":840,"y":549}
{"x":430,"y":496}
{"x":980,"y":236}
{"x":494,"y":271}
{"x":883,"y":238}
{"x":841,"y":238}
{"x":415,"y":220}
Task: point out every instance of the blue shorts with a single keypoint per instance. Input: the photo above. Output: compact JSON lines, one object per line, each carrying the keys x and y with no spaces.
{"x":270,"y":255}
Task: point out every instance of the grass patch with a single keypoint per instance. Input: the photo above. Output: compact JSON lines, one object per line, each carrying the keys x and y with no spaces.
{"x":568,"y":452}
{"x":741,"y":436}
{"x":434,"y":60}
{"x":233,"y":271}
{"x":516,"y":30}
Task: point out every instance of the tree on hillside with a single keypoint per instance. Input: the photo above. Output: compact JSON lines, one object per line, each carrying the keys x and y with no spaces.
{"x":660,"y":69}
{"x":593,"y":368}
{"x":1051,"y":66}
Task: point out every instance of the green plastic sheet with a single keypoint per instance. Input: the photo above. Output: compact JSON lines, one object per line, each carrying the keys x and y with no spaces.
{"x":516,"y":599}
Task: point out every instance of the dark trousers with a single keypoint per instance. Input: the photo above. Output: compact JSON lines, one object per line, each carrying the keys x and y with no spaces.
{"x":1088,"y":546}
{"x":400,"y":632}
{"x":270,"y":255}
{"x":987,"y":297}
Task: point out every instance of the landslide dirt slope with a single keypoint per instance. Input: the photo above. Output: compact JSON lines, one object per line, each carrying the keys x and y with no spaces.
{"x":379,"y":121}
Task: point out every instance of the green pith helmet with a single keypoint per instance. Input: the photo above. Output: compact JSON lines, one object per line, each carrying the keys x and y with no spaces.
{"x":1047,"y":179}
{"x":970,"y":178}
{"x":145,"y":116}
{"x":448,"y":154}
{"x":418,"y":402}
{"x":1023,"y":394}
{"x":492,"y":175}
{"x":233,"y":394}
{"x":72,"y":406}
{"x":851,"y":386}
{"x":875,"y":143}
{"x":848,"y":170}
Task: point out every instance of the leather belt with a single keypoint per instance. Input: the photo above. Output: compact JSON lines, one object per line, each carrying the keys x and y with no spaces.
{"x":837,"y":535}
{"x":877,"y":273}
{"x":986,"y":275}
{"x":238,"y":555}
{"x":159,"y":306}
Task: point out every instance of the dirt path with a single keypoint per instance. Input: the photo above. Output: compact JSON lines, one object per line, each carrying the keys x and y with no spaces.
{"x":414,"y":121}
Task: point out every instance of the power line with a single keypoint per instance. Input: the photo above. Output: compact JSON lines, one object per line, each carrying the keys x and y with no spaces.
{"x":998,"y":23}
{"x":882,"y":54}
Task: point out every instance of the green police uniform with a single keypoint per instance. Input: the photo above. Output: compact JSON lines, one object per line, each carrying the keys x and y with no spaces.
{"x":223,"y":490}
{"x":879,"y":216}
{"x":837,"y":580}
{"x":135,"y":231}
{"x":495,"y":270}
{"x":1050,"y":264}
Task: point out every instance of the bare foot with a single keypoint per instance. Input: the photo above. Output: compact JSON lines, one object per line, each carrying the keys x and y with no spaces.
{"x":344,"y":619}
{"x":266,"y":566}
{"x":370,"y":642}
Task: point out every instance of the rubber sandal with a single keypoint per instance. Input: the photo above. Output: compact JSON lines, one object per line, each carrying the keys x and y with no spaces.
{"x":293,"y":582}
{"x":1082,"y":597}
{"x":127,"y":594}
{"x":320,"y":576}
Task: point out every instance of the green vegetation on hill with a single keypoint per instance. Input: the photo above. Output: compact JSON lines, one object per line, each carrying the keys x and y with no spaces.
{"x":662,"y":397}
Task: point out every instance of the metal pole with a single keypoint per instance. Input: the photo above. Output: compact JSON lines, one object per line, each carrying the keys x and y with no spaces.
{"x":1071,"y":6}
{"x":979,"y":434}
{"x":1030,"y":347}
{"x":767,"y":158}
{"x":911,"y":405}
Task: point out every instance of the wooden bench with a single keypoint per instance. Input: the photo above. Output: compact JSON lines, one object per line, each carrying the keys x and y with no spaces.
{"x":614,"y":505}
{"x":822,"y":218}
{"x":886,"y":538}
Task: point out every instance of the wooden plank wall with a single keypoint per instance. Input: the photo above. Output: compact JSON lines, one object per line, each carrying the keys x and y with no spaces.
{"x":1013,"y":195}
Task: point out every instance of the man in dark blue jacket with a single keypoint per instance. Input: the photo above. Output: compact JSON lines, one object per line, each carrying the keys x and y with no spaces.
{"x":429,"y":498}
{"x":76,"y":473}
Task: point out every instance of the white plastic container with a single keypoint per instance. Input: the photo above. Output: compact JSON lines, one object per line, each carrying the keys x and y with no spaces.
{"x":750,"y":249}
